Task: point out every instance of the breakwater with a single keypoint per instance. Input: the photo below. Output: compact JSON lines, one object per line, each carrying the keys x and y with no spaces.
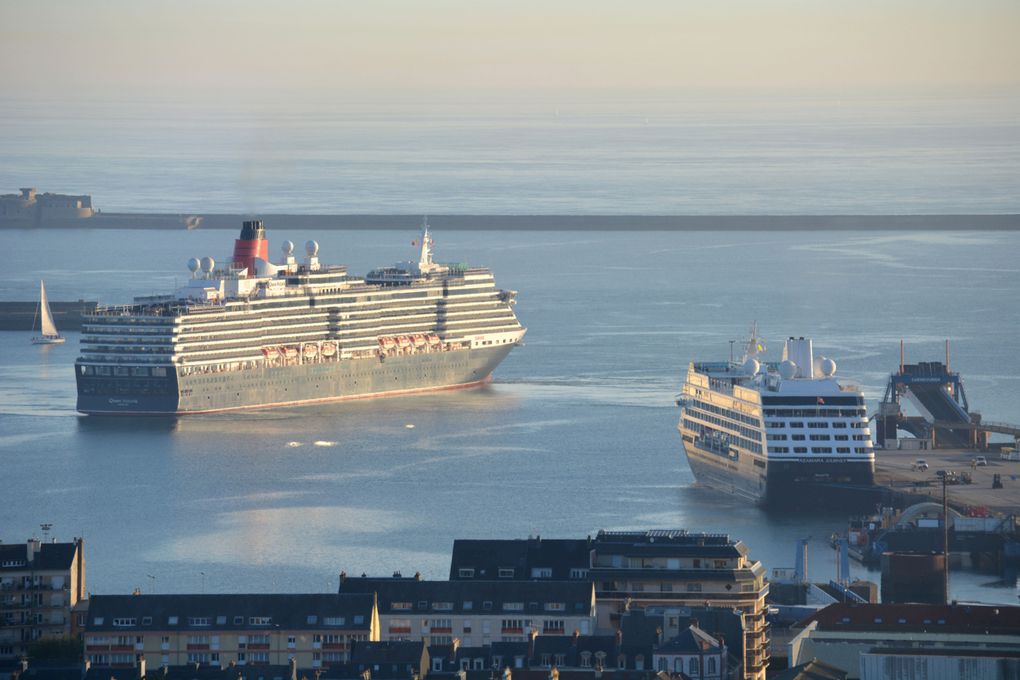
{"x":1005,"y":222}
{"x":20,"y":315}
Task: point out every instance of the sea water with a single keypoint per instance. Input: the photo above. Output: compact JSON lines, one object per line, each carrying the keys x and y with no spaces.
{"x":576,"y":433}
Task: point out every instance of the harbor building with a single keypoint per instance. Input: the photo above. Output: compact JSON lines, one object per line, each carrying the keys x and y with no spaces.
{"x":878,"y":641}
{"x":657,"y":568}
{"x":31,"y":207}
{"x":317,"y":630}
{"x":476,"y":612}
{"x":40,"y":583}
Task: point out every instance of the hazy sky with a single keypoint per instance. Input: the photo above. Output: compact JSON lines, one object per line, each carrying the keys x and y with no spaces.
{"x":391,"y":46}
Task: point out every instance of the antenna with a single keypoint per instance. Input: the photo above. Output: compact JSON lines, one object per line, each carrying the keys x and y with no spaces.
{"x":901,"y":357}
{"x":947,"y":355}
{"x":46,"y":526}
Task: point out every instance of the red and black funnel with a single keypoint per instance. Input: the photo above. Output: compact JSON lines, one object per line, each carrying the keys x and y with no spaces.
{"x":251,"y":245}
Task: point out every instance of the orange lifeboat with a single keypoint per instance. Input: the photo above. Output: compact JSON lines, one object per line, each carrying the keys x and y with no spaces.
{"x":403,"y":341}
{"x":310,"y":351}
{"x":328,"y":349}
{"x":418,"y":340}
{"x":434,"y":339}
{"x":387,"y":343}
{"x":289,"y":352}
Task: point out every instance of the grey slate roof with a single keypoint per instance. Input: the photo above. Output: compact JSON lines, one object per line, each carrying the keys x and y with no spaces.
{"x":51,"y":557}
{"x":399,"y":652}
{"x":471,"y":596}
{"x":230,"y":612}
{"x":488,"y":556}
{"x":692,"y":640}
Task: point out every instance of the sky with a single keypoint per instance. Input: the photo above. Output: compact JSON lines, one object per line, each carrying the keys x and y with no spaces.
{"x":228,"y":48}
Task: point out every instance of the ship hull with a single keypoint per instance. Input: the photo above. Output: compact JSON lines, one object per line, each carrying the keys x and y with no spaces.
{"x":270,"y":387}
{"x":784,"y":484}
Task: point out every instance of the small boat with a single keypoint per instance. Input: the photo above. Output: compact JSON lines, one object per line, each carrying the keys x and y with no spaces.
{"x":403,"y":341}
{"x":310,"y":351}
{"x":434,"y":339}
{"x":328,"y":349}
{"x":48,"y":333}
{"x":418,"y":340}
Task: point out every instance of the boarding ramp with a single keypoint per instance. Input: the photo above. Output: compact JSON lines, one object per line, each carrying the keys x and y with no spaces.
{"x":938,"y":395}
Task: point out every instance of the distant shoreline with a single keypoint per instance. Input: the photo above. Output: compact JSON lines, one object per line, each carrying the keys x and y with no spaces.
{"x":1010,"y":222}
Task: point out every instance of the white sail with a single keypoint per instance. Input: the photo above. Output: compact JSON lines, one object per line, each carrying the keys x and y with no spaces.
{"x":47,"y":327}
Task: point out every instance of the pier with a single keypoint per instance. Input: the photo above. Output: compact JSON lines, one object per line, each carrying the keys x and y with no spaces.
{"x":897,"y":471}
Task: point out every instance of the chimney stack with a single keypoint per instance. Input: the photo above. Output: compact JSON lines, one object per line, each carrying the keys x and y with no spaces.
{"x":32,"y":549}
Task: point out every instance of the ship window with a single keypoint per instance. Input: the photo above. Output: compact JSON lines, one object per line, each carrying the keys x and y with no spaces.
{"x":800,"y":449}
{"x":796,"y":424}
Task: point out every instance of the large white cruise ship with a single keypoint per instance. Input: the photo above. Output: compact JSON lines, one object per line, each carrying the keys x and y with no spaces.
{"x":255,"y":334}
{"x":778,"y":434}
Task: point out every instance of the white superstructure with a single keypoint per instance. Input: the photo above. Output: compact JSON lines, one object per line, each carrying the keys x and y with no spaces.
{"x":760,"y":429}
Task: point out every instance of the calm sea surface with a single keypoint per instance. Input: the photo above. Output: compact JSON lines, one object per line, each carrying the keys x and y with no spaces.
{"x":629,"y":154}
{"x":576,"y":433}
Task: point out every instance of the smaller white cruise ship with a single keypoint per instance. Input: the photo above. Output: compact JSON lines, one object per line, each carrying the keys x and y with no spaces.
{"x":780,"y":433}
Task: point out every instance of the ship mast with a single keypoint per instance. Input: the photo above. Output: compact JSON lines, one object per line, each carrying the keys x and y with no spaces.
{"x":755,"y":344}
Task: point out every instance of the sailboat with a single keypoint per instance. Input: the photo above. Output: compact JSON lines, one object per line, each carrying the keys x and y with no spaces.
{"x":49,"y":335}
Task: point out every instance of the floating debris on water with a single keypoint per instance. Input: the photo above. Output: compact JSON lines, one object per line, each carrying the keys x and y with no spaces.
{"x":324,"y":443}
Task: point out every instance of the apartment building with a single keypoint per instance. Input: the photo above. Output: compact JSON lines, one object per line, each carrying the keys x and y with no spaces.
{"x":906,"y":641}
{"x":39,"y":584}
{"x":476,"y":612}
{"x":316,"y":630}
{"x":638,"y":569}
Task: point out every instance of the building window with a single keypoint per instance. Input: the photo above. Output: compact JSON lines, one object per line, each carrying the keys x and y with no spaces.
{"x":541,"y":572}
{"x":291,"y":641}
{"x":693,"y":587}
{"x":334,"y":620}
{"x":506,"y":572}
{"x":513,"y":606}
{"x":260,"y":620}
{"x":693,"y":666}
{"x":442,"y":606}
{"x":467,"y":606}
{"x":466,"y":572}
{"x":711,"y":664}
{"x":578,"y":573}
{"x":586,"y":659}
{"x":400,"y":606}
{"x":123,"y":623}
{"x":678,"y":664}
{"x":198,"y":620}
{"x":146,"y":620}
{"x":171,"y":620}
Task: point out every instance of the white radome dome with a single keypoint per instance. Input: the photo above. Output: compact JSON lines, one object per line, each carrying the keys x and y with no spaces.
{"x":828,"y":367}
{"x":193,"y":265}
{"x":312,"y":248}
{"x":287,"y":247}
{"x":207,"y":264}
{"x":751,"y":366}
{"x":787,"y":369}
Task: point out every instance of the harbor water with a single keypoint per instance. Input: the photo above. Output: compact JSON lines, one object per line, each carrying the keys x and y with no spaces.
{"x":577,"y":432}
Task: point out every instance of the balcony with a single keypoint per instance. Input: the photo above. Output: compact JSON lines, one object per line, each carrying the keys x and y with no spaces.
{"x":400,"y":630}
{"x":258,"y":646}
{"x":197,"y":648}
{"x":334,"y":645}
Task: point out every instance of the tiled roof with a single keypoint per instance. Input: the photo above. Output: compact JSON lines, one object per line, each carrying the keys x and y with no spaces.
{"x":231,"y":612}
{"x":956,"y":618}
{"x":471,"y":596}
{"x":51,"y":557}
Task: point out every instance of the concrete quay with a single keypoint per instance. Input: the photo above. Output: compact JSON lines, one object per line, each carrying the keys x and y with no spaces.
{"x":895,"y":470}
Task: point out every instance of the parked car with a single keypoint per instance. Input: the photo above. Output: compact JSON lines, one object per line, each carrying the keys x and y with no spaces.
{"x":921,"y":464}
{"x":980,"y":461}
